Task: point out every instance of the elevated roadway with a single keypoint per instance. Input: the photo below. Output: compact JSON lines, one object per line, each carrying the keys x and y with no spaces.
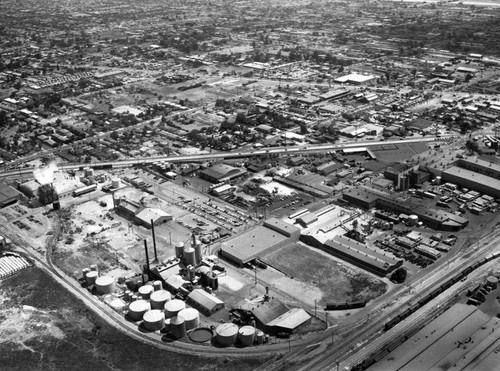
{"x":228,"y":155}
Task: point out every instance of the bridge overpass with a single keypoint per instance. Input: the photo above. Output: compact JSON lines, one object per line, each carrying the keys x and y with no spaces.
{"x":226,"y":155}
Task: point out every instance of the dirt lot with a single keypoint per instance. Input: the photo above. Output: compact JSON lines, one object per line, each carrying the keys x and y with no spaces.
{"x":336,"y":281}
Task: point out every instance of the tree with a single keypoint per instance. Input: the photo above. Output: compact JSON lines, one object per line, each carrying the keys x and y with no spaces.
{"x":399,"y":275}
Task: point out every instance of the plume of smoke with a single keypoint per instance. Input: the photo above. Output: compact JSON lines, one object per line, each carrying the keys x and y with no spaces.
{"x":45,"y":174}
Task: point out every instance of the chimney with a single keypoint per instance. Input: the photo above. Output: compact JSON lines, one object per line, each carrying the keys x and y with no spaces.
{"x":147,"y":255}
{"x":154,"y":240}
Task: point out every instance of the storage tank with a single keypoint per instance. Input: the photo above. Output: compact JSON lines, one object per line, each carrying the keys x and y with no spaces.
{"x":159,"y":298}
{"x":178,"y":327}
{"x":213,"y":281}
{"x":226,"y":334}
{"x":246,"y":334}
{"x":127,"y":295}
{"x":412,"y":220}
{"x":115,"y":183}
{"x":492,"y":282}
{"x":179,"y":250}
{"x":157,"y":285}
{"x":145,"y":291}
{"x":438,"y":180}
{"x":153,"y":320}
{"x":191,"y":274}
{"x":189,"y":257}
{"x":89,"y":172}
{"x":191,"y":317}
{"x":93,"y":267}
{"x":259,"y":337}
{"x":91,"y":277}
{"x":105,"y":285}
{"x":134,"y":297}
{"x":173,"y":307}
{"x":84,"y":272}
{"x":137,"y":308}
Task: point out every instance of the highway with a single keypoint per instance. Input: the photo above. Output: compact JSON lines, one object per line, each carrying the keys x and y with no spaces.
{"x":229,"y":155}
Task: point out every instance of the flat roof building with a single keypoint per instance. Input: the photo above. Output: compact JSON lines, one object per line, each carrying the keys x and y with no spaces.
{"x":258,"y":241}
{"x":221,"y":172}
{"x":8,"y":195}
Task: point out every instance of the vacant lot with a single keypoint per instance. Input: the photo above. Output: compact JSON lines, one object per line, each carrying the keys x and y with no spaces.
{"x":337,"y":282}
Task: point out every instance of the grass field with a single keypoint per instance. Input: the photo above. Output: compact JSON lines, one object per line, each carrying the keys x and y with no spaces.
{"x":337,"y":282}
{"x":43,"y":327}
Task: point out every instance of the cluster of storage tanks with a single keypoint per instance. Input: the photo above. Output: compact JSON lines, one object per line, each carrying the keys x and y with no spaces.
{"x":157,"y":310}
{"x":103,"y":284}
{"x":227,"y":334}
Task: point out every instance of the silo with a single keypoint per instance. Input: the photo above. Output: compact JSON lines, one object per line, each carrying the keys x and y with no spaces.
{"x":412,"y":220}
{"x":153,"y":320}
{"x":492,"y":282}
{"x":157,"y":285}
{"x":213,"y":281}
{"x":145,"y":291}
{"x":189,"y":257}
{"x":191,"y":317}
{"x":178,"y":327}
{"x":246,"y":334}
{"x":137,"y":308}
{"x":191,"y":274}
{"x":105,"y":285}
{"x":438,"y":180}
{"x":91,"y":277}
{"x":259,"y":337}
{"x":84,"y":272}
{"x":179,"y":250}
{"x":226,"y":334}
{"x":159,"y":298}
{"x":173,"y":307}
{"x":115,"y":183}
{"x":127,"y":295}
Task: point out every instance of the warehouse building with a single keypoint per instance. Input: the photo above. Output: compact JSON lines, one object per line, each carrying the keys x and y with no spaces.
{"x":204,"y":302}
{"x":369,"y":198}
{"x":361,"y":255}
{"x":258,"y":241}
{"x":221,"y":173}
{"x":8,"y":195}
{"x":462,"y":338}
{"x":289,"y":322}
{"x":145,"y":216}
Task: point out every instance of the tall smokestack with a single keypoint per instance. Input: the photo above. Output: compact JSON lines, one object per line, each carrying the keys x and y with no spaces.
{"x":147,"y":255}
{"x":154,"y":241}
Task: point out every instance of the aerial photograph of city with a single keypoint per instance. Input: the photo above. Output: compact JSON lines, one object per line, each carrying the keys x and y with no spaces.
{"x":272,"y":185}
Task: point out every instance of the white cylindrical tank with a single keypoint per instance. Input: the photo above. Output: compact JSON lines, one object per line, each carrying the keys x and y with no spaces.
{"x":115,"y":183}
{"x":191,"y":317}
{"x":438,"y":180}
{"x":178,"y":327}
{"x":159,"y":298}
{"x":259,"y":337}
{"x":197,"y":250}
{"x":105,"y":285}
{"x":91,"y":277}
{"x":137,"y":308}
{"x":179,"y":250}
{"x":153,"y":320}
{"x":412,"y":220}
{"x":492,"y":282}
{"x":189,"y":257}
{"x":93,"y":267}
{"x":246,"y":334}
{"x":157,"y":285}
{"x":84,"y":272}
{"x":226,"y":334}
{"x":145,"y":291}
{"x":173,"y":307}
{"x":191,"y":273}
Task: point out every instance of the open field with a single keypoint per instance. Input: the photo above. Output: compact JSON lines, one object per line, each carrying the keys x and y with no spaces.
{"x":337,"y":282}
{"x":50,"y":329}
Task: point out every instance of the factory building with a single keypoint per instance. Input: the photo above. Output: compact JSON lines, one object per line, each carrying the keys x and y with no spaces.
{"x":471,"y":179}
{"x":258,"y":241}
{"x":289,"y":322}
{"x":8,"y":195}
{"x":369,"y":198}
{"x":204,"y":302}
{"x":221,"y":173}
{"x":361,"y":255}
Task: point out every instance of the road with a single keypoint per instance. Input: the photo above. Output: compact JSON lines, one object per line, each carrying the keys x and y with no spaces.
{"x":229,"y":155}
